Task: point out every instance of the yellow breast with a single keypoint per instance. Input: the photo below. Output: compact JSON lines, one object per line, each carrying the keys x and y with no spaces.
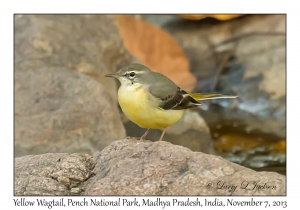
{"x":142,"y":108}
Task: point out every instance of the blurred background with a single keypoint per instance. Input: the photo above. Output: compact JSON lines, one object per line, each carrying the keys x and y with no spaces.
{"x":63,"y":102}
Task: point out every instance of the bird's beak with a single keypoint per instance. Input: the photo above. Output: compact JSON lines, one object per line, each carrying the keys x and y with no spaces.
{"x":112,"y":75}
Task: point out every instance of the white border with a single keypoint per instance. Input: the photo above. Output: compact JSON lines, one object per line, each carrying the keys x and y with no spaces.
{"x":8,"y":8}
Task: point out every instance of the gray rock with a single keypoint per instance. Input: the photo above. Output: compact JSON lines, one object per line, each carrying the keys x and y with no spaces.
{"x":51,"y":174}
{"x":61,"y":111}
{"x":129,"y":167}
{"x":88,"y":44}
{"x":57,"y":109}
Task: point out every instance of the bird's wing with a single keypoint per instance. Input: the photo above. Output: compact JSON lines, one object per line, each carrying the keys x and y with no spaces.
{"x":171,"y":96}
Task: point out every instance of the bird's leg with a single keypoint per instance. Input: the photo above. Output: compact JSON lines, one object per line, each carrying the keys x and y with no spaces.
{"x":145,"y":134}
{"x":162,"y":135}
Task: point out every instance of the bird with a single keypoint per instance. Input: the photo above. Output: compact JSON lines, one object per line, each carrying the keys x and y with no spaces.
{"x":153,"y":101}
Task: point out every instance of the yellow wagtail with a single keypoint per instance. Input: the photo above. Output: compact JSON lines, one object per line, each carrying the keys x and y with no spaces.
{"x":153,"y":101}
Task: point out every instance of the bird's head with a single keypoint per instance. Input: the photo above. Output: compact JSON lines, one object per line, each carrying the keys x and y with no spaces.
{"x":132,"y":75}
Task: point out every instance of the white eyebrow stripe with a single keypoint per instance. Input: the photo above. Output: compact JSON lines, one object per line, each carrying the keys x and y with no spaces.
{"x":137,"y":72}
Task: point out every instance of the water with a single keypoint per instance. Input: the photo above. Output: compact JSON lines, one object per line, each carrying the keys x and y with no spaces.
{"x":254,"y":149}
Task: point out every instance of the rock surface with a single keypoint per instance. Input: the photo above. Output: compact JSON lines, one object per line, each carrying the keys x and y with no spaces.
{"x":52,"y":174}
{"x":62,"y":111}
{"x":57,"y":108}
{"x":130,"y":167}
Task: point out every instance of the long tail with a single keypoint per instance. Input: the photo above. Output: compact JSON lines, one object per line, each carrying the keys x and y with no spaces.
{"x":207,"y":96}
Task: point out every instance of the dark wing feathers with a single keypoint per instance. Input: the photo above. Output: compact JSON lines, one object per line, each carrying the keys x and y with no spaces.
{"x":180,"y":100}
{"x":176,"y":100}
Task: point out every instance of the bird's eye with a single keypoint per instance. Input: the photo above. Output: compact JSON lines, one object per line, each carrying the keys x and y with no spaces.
{"x":131,"y":74}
